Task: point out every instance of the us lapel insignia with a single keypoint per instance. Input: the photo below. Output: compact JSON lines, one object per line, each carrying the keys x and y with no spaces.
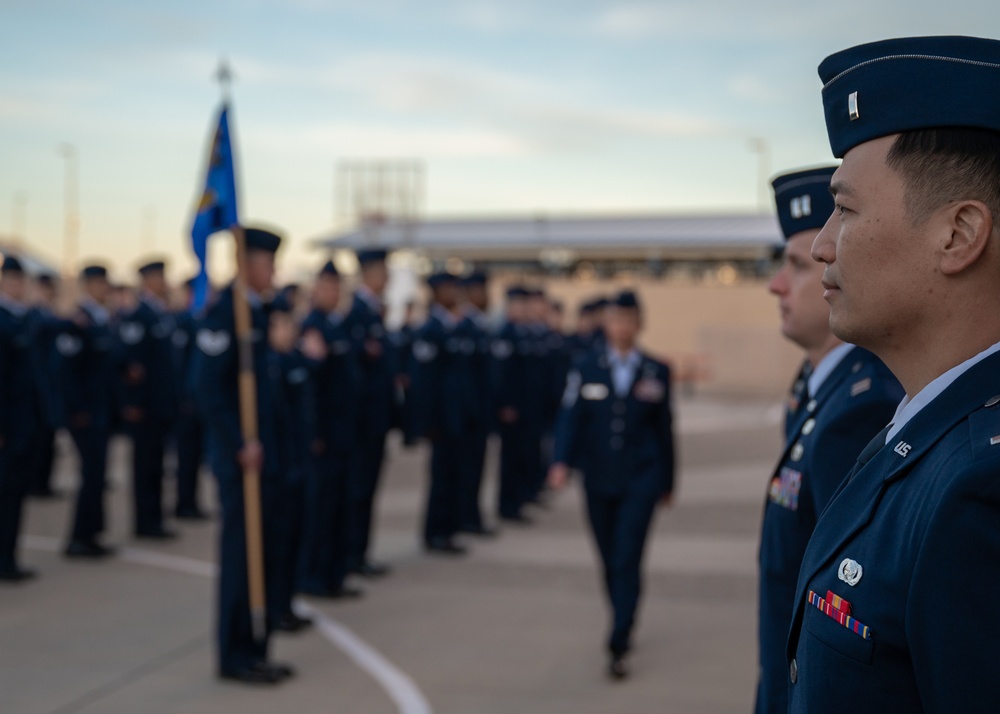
{"x":850,"y":571}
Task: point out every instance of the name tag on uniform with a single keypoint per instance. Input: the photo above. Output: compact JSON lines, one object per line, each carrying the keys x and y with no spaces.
{"x":594,"y":391}
{"x":785,"y":488}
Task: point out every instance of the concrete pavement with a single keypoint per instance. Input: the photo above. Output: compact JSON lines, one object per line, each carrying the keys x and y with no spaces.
{"x":517,"y":626}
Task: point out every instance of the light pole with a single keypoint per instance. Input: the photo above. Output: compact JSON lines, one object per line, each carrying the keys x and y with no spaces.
{"x":762,"y":148}
{"x":71,"y":234}
{"x":17,"y":217}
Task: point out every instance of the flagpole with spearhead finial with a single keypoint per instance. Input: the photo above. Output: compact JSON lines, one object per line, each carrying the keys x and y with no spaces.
{"x":248,"y":415}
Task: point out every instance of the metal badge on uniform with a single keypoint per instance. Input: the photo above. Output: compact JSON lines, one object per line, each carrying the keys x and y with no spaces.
{"x":649,"y":389}
{"x":502,"y":349}
{"x":852,"y":106}
{"x":861,"y":386}
{"x":572,"y":390}
{"x":595,"y":391}
{"x":68,"y":345}
{"x":424,"y":351}
{"x":212,"y":343}
{"x":132,"y":332}
{"x":785,"y":488}
{"x":850,"y":571}
{"x":797,"y":451}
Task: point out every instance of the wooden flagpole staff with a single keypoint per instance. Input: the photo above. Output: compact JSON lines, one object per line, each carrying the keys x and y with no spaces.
{"x":250,"y":432}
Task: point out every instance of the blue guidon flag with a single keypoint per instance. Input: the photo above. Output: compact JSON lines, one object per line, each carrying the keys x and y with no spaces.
{"x":217,"y":207}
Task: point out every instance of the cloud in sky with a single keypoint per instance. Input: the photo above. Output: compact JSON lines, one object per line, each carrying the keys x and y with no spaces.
{"x":516,"y":105}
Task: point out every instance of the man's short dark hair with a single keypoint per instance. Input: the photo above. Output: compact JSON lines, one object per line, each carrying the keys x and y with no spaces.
{"x":948,"y":164}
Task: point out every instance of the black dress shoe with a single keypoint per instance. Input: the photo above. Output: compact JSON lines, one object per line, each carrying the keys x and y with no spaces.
{"x":259,"y":673}
{"x":618,"y":667}
{"x":444,"y":546}
{"x":370,"y":569}
{"x":191,"y":513}
{"x":156,"y":534}
{"x":480,"y":531}
{"x":16,"y":575}
{"x":290,"y":622}
{"x":87,"y":549}
{"x":517,"y":520}
{"x":344,"y":592}
{"x":45,"y":493}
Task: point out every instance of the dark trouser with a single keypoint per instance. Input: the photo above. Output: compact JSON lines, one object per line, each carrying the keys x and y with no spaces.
{"x":148,"y":440}
{"x":323,"y":556}
{"x":236,"y":646}
{"x":520,"y":462}
{"x":444,"y":501}
{"x":287,"y":529}
{"x":620,"y":524}
{"x":190,"y":437}
{"x":362,"y":485}
{"x":92,"y":443}
{"x":473,"y":464}
{"x":41,"y":469}
{"x":15,"y":473}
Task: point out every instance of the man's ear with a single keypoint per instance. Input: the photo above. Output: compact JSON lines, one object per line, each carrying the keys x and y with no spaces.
{"x":969,"y":225}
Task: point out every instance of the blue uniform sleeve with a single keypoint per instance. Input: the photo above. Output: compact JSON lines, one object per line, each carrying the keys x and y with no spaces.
{"x":132,"y":348}
{"x":569,"y":420}
{"x":665,"y":422}
{"x":951,"y":619}
{"x":215,"y":378}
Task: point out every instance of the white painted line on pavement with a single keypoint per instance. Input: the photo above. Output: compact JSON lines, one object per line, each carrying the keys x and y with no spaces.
{"x":397,"y":684}
{"x":403,"y":690}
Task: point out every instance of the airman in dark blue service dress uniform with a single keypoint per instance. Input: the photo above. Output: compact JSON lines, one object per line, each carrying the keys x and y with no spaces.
{"x":379,"y":370}
{"x":45,"y":326}
{"x":189,"y":431}
{"x":149,"y":394}
{"x":216,"y":373}
{"x":842,"y":397}
{"x":616,"y":427}
{"x":18,"y":418}
{"x":474,"y":334}
{"x":443,"y":413}
{"x":894,"y":606}
{"x":336,"y":378}
{"x":85,"y":372}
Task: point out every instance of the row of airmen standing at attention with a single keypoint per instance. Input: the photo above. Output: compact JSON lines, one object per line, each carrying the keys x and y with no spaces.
{"x":106,"y":366}
{"x":330,"y":388}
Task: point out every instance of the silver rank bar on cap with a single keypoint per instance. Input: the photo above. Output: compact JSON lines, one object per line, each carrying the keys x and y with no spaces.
{"x":852,"y":106}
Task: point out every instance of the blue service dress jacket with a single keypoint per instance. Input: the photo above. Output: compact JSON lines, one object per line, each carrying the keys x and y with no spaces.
{"x":825,"y":434}
{"x":620,"y":443}
{"x":894,"y":608}
{"x":146,"y":345}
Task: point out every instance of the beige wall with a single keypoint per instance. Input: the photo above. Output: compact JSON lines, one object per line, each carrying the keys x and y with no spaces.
{"x":725,"y":336}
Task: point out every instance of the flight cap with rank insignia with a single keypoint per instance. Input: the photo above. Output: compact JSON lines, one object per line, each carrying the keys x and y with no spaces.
{"x":803,"y":199}
{"x":907,"y":84}
{"x":371,"y":255}
{"x":12,"y":265}
{"x":625,"y":299}
{"x":329,"y":270}
{"x":262,"y":240}
{"x":94,"y":271}
{"x":153,"y":266}
{"x":476,"y":278}
{"x":436,"y":280}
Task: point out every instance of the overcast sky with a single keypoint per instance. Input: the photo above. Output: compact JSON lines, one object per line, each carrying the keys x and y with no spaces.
{"x":517,"y":107}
